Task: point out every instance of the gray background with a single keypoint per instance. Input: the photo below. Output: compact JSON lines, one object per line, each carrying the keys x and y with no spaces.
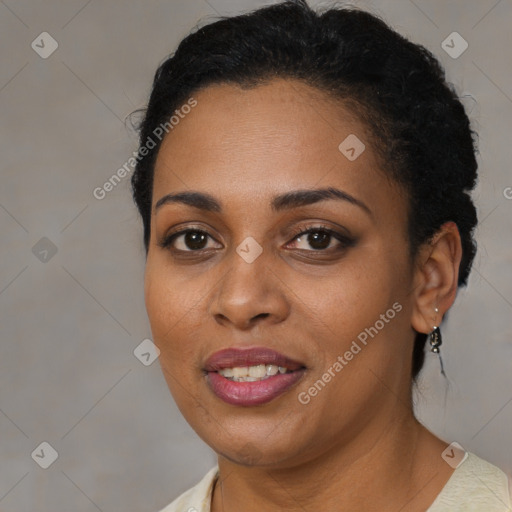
{"x":69,"y":324}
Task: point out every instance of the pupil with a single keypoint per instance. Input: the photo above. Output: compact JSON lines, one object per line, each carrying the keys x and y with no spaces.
{"x":195,"y":240}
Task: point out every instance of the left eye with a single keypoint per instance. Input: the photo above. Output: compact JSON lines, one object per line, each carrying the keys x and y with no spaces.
{"x":320,"y":239}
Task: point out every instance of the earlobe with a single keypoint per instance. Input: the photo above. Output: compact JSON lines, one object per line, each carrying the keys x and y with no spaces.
{"x":436,"y":278}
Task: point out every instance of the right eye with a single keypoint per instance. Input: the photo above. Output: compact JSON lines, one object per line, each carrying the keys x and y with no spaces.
{"x":187,"y":240}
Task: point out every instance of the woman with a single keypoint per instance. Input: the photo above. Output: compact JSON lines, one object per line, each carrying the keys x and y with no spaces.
{"x":303,"y":181}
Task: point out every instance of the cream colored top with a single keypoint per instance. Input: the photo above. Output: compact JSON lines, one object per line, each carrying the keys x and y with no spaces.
{"x":475,"y":486}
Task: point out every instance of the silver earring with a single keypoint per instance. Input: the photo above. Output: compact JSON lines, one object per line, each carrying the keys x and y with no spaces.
{"x":435,"y":342}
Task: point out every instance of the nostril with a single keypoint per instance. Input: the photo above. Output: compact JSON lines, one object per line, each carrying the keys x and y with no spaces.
{"x":262,"y":315}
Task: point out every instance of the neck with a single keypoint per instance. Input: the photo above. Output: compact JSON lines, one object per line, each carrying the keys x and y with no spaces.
{"x":396,"y":466}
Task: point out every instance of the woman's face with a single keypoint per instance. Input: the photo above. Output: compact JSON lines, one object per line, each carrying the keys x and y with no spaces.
{"x":334,"y":309}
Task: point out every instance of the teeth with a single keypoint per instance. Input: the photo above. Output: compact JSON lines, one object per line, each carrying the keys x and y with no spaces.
{"x":257,"y":371}
{"x":252,"y":373}
{"x":227,"y":372}
{"x":271,"y":369}
{"x":240,"y":371}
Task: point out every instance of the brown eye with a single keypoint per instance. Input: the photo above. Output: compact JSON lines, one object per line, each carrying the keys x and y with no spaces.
{"x":189,"y":240}
{"x":321,"y":239}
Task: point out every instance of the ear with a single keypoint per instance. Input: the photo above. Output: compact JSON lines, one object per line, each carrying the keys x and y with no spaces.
{"x":436,"y":278}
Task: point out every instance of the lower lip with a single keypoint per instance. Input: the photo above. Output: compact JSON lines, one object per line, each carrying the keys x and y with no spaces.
{"x":246,"y":394}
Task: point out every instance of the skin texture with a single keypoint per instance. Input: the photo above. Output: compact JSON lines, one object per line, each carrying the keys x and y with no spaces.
{"x":356,"y":444}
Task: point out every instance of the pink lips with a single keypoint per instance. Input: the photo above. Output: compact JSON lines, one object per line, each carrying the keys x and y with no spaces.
{"x":247,"y":394}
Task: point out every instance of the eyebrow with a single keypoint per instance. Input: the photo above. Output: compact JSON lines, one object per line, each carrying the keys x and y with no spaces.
{"x":286,"y":201}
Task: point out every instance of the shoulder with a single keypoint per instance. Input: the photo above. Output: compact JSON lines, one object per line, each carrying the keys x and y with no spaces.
{"x":197,"y":498}
{"x":475,"y":486}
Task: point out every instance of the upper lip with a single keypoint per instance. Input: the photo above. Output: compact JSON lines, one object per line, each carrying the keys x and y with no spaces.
{"x":233,"y":357}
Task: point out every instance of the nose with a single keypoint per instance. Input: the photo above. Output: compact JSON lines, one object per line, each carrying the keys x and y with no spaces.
{"x":249,"y":293}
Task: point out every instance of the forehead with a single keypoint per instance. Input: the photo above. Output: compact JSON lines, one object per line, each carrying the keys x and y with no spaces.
{"x":250,"y":143}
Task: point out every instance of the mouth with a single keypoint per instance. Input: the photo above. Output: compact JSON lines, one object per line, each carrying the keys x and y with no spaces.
{"x":254,"y":376}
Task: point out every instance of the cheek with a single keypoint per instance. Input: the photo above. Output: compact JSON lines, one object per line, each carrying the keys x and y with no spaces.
{"x":170,"y":315}
{"x":355,"y":319}
{"x":354,"y":297}
{"x":171,"y":309}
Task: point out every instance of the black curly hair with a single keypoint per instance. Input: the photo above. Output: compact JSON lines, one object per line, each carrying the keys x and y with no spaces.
{"x":397,"y":88}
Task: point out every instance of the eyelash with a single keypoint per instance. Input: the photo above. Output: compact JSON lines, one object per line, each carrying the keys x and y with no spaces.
{"x":344,"y":240}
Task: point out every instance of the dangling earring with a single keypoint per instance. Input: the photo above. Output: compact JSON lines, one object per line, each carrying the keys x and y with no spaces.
{"x":435,"y":342}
